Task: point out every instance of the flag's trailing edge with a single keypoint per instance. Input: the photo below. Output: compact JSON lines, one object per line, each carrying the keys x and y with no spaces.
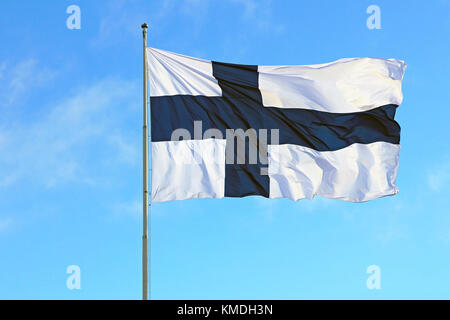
{"x":326,"y":129}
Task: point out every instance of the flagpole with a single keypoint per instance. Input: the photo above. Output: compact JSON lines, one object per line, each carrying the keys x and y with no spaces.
{"x":145,"y":175}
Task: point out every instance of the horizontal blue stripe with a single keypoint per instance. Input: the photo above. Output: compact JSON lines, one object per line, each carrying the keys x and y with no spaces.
{"x":322,"y":131}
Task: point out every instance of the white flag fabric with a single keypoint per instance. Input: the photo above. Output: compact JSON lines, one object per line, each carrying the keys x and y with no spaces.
{"x":230,"y":130}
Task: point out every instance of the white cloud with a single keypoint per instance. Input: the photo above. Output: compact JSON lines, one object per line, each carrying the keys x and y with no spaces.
{"x":392,"y":230}
{"x":72,"y":140}
{"x":5,"y":224}
{"x":439,"y":177}
{"x":120,"y":20}
{"x":250,"y":6}
{"x":259,"y":14}
{"x":199,"y":8}
{"x":20,"y":78}
{"x":131,"y":208}
{"x":2,"y":69}
{"x":127,"y":151}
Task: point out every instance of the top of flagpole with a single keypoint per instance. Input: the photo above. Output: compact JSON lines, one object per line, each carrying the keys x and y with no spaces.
{"x":144,"y":27}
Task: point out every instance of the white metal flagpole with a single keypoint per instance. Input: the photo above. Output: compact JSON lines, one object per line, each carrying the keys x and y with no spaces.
{"x":145,"y":177}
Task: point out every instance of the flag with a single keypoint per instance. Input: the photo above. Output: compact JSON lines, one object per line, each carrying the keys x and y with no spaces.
{"x":231,"y":130}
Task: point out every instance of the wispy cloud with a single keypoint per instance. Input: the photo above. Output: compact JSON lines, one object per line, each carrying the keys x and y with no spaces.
{"x":2,"y":69}
{"x":119,"y":21}
{"x":73,"y":139}
{"x":259,"y":14}
{"x":250,"y":6}
{"x":132,"y":208}
{"x":20,"y":78}
{"x":127,"y":150}
{"x":439,"y":177}
{"x":5,"y":224}
{"x":392,"y":230}
{"x":195,"y":7}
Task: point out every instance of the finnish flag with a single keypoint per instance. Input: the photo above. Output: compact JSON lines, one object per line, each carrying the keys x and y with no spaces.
{"x":229,"y":130}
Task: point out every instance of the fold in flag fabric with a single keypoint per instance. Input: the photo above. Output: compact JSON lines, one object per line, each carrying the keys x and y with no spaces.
{"x":230,"y":130}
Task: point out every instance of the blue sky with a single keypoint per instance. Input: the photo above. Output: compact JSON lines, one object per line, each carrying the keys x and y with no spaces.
{"x":70,"y":157}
